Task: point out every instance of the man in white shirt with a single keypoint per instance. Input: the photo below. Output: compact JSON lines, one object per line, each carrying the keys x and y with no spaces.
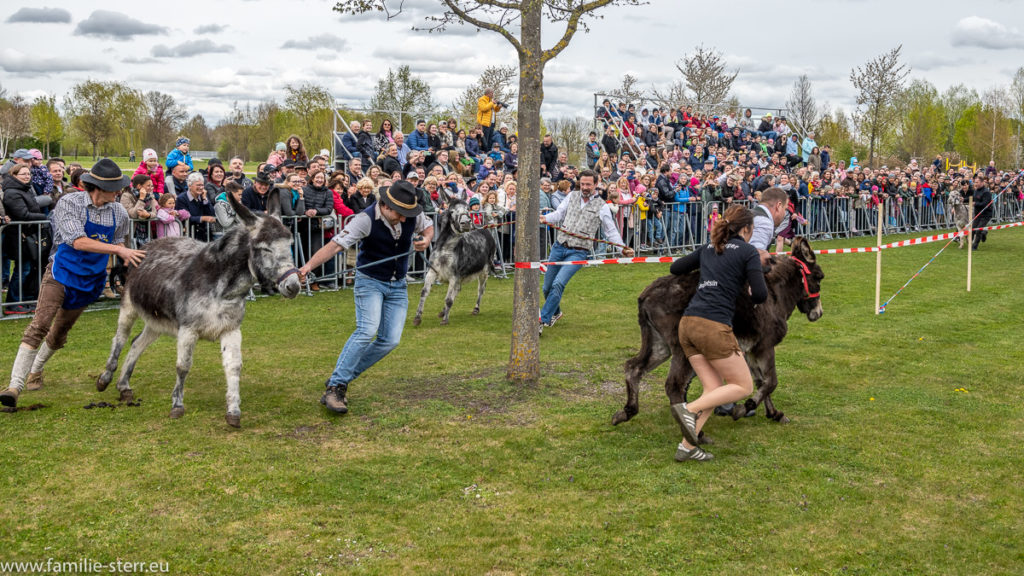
{"x":581,"y":213}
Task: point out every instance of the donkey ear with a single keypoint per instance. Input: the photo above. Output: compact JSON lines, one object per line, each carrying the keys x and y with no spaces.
{"x":244,"y":214}
{"x":274,"y":202}
{"x":802,"y":250}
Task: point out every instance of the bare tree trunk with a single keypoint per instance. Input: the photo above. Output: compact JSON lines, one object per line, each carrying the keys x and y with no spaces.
{"x":524,"y":359}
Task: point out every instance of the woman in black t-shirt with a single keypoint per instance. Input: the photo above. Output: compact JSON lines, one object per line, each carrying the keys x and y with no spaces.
{"x":726,"y":265}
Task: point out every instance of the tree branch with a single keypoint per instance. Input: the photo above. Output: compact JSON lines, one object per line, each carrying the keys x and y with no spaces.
{"x":464,"y":15}
{"x":571,"y":26}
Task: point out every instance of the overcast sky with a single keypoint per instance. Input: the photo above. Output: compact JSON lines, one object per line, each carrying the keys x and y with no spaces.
{"x":209,"y":54}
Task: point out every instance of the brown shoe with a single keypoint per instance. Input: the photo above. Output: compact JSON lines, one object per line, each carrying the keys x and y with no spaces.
{"x":334,"y":399}
{"x":34,"y":381}
{"x":9,"y":397}
{"x":314,"y":287}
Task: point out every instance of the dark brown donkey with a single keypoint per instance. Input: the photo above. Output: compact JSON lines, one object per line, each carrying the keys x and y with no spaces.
{"x":793,"y":282}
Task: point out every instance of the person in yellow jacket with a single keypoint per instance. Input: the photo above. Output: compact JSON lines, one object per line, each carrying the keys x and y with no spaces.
{"x":486,"y":108}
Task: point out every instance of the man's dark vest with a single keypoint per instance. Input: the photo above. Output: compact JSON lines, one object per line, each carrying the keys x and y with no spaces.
{"x":381,"y":244}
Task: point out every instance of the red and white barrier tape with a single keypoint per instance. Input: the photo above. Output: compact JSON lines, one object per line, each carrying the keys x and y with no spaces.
{"x":669,"y":259}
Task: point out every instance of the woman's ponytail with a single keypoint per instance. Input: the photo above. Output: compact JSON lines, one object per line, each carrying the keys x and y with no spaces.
{"x":736,"y":218}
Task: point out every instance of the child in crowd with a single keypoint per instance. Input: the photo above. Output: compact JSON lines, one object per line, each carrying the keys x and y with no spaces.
{"x":475,"y":211}
{"x":495,"y":154}
{"x":493,"y":212}
{"x":485,"y":169}
{"x":168,"y":220}
{"x":713,"y":217}
{"x":179,"y":155}
{"x":150,"y":166}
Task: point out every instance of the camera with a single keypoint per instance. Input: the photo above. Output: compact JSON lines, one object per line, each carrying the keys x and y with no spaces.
{"x":500,"y":103}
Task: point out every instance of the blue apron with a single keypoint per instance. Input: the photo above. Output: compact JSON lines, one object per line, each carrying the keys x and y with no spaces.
{"x":83,"y":274}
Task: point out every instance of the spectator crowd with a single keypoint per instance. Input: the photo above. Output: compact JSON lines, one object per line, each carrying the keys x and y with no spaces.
{"x":667,"y":175}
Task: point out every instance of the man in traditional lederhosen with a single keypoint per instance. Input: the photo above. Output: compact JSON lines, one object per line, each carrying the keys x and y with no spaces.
{"x":88,"y":227}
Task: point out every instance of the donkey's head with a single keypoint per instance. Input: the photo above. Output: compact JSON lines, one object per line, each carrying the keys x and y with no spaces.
{"x":459,"y":219}
{"x":270,"y":248}
{"x":811,"y":277}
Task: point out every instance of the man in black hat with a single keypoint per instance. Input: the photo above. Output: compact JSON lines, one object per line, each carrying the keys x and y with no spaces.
{"x":87,"y":229}
{"x":255,"y":196}
{"x":387,"y":232}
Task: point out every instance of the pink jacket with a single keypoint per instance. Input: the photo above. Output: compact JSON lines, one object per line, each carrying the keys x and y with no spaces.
{"x":276,"y":158}
{"x":167,"y":225}
{"x":157,"y":176}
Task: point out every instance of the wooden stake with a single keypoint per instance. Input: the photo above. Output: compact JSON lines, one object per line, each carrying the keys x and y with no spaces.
{"x":970,"y":240}
{"x":878,"y":259}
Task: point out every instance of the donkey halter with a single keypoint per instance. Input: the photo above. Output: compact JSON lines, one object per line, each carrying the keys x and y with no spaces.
{"x":804,"y":273}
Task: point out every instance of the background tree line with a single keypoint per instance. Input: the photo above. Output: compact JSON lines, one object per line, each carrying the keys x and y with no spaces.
{"x":894,"y":121}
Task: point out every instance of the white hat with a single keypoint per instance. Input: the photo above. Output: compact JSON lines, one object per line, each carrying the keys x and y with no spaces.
{"x":325,"y":152}
{"x":503,"y":126}
{"x":148,"y":154}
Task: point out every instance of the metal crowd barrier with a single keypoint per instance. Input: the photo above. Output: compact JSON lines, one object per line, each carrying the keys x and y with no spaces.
{"x":680,"y":228}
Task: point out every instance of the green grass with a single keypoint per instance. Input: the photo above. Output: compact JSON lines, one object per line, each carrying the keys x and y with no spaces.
{"x":125,"y":164}
{"x":443,"y":468}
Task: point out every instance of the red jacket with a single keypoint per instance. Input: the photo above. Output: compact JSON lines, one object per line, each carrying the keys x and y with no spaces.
{"x":157,"y":176}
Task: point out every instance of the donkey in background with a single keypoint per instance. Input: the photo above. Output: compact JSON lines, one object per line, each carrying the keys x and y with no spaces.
{"x":461,"y":253}
{"x":192,"y":290}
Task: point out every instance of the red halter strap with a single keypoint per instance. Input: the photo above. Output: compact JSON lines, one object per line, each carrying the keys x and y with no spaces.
{"x":805,"y":272}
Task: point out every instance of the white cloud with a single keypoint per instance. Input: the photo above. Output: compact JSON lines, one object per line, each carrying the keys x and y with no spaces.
{"x":190,"y":48}
{"x":984,"y":33}
{"x":210,"y":29}
{"x":116,"y":26}
{"x":322,"y":42}
{"x":16,"y":62}
{"x":41,"y":16}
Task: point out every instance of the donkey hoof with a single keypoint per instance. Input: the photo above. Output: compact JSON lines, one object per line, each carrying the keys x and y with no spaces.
{"x":476,"y":311}
{"x":705,"y":440}
{"x":127,"y":396}
{"x":177,"y":412}
{"x":416,"y":321}
{"x":619,"y":417}
{"x":781,"y":418}
{"x":444,"y":322}
{"x":102,"y":381}
{"x":440,"y":314}
{"x":234,"y":420}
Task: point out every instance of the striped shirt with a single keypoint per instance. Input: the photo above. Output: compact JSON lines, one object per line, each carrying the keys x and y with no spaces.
{"x":70,"y":215}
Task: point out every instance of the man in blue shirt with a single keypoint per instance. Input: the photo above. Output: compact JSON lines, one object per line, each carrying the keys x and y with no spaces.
{"x":418,"y":139}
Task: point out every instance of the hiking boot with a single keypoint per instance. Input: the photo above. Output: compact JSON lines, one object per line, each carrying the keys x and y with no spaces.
{"x":34,"y":381}
{"x":334,"y":399}
{"x":315,"y":287}
{"x":687,"y":421}
{"x":9,"y":397}
{"x":698,"y":454}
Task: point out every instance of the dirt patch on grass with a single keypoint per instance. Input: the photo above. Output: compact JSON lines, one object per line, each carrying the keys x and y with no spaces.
{"x":481,"y":393}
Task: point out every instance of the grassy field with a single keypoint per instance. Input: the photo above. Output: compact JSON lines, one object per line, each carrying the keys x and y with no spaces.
{"x":125,"y":164}
{"x":903,"y":455}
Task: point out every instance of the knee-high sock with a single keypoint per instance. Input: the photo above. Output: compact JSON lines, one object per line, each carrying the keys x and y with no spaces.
{"x":42,"y":356}
{"x":22,"y":364}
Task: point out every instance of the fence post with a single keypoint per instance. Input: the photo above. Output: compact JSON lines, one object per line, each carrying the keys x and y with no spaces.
{"x":970,"y":240}
{"x":878,"y":260}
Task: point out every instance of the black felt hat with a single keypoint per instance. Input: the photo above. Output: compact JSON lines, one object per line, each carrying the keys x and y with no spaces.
{"x":106,"y":175}
{"x":401,"y":197}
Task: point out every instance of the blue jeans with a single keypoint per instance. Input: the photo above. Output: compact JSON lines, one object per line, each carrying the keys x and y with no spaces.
{"x":655,"y":230}
{"x":557,"y":277}
{"x":380,"y":313}
{"x":678,"y":232}
{"x":20,"y":288}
